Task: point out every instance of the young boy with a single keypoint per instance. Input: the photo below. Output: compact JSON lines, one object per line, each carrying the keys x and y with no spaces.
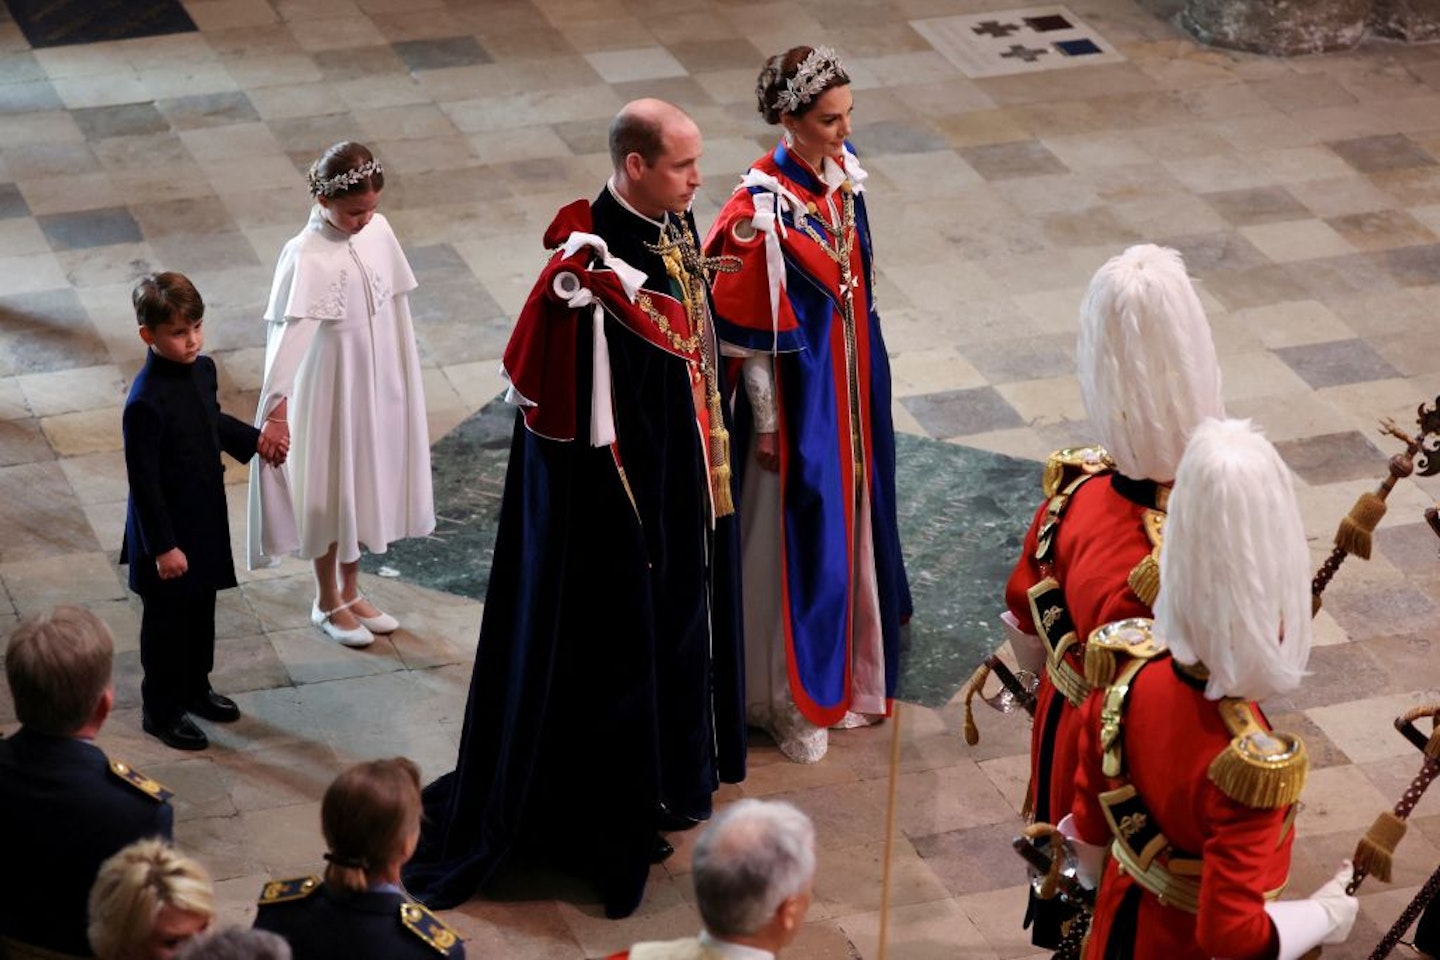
{"x":177,"y":530}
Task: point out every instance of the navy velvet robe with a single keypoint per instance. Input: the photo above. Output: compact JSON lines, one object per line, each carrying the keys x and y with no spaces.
{"x":607,"y":690}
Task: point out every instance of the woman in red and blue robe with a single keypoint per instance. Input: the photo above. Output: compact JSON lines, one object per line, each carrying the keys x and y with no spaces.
{"x":824,"y":582}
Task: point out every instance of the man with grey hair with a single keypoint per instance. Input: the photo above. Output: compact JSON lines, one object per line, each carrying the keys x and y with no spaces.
{"x":754,"y":868}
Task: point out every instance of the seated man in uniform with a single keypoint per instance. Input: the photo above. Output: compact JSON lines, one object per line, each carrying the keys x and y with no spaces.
{"x":64,"y":807}
{"x":754,"y":867}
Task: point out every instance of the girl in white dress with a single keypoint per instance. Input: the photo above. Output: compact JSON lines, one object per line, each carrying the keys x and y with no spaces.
{"x":342,"y":381}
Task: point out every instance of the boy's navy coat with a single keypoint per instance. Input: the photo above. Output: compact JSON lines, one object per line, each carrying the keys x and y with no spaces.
{"x":174,"y":434}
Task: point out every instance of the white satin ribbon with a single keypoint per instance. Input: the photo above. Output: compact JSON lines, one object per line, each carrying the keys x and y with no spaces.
{"x":770,"y":206}
{"x":630,"y":278}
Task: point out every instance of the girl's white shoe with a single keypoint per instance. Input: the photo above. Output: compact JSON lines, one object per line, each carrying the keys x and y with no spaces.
{"x":357,"y":637}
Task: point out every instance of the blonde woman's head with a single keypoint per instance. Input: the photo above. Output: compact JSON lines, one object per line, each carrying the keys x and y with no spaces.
{"x":147,"y":900}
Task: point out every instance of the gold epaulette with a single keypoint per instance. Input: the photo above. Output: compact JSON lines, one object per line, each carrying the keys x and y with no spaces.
{"x":428,"y":927}
{"x":1144,"y":577}
{"x":1264,"y":769}
{"x":1132,"y":638}
{"x":283,"y":891}
{"x":152,"y":788}
{"x":1064,"y":465}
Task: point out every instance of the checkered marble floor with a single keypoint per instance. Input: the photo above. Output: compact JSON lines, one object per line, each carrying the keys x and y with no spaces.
{"x":1305,"y":195}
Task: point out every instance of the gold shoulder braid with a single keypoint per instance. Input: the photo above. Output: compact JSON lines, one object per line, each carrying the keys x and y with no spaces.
{"x":428,"y":927}
{"x":1264,"y":769}
{"x":283,"y":891}
{"x":1144,"y":579}
{"x":1112,"y":720}
{"x":152,"y":788}
{"x":1064,"y":465}
{"x":1132,"y":638}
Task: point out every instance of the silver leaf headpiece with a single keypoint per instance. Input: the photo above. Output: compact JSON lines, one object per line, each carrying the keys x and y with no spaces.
{"x":343,"y":181}
{"x":821,"y":66}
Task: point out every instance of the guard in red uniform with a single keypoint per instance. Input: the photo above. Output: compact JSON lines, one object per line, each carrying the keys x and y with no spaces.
{"x":1148,"y":375}
{"x":1180,"y":775}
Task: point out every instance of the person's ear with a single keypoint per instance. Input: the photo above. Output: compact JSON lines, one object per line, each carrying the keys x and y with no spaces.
{"x":103,"y":706}
{"x":147,"y":335}
{"x":634,"y":166}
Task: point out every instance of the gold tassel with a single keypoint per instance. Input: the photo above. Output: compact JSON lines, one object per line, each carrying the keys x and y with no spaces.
{"x":1314,"y":605}
{"x":1099,"y":665}
{"x":967,"y":692}
{"x":1375,"y":853}
{"x":1144,"y":579}
{"x":720,"y":460}
{"x":1257,"y":782}
{"x":1356,"y":527}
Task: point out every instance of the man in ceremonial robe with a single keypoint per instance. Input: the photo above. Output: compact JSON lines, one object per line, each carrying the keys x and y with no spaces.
{"x":1180,"y":774}
{"x":606,"y":701}
{"x":1148,"y":376}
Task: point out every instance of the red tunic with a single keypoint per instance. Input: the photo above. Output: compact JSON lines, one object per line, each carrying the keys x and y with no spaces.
{"x":1170,"y":735}
{"x":1101,"y":538}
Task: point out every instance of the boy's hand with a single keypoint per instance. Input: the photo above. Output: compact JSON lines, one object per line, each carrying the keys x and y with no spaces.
{"x":274,"y":443}
{"x":172,"y":564}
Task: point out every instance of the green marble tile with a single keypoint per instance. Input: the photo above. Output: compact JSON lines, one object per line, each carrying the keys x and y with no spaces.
{"x":962,"y":511}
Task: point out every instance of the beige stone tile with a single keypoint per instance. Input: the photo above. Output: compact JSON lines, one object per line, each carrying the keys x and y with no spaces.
{"x":1293,"y":322}
{"x":285,"y":841}
{"x":848,"y":881}
{"x":1337,"y":799}
{"x":1045,"y":402}
{"x":665,"y":914}
{"x":1297,"y":240}
{"x":1022,"y":442}
{"x":937,"y":801}
{"x":222,"y":14}
{"x":920,"y":931}
{"x":1010,"y":775}
{"x":98,"y":477}
{"x":165,"y":81}
{"x":12,"y":400}
{"x":31,"y":273}
{"x":645,"y":63}
{"x":39,"y":584}
{"x":1247,"y":375}
{"x":1299,"y":164}
{"x":87,"y":431}
{"x":102,"y":89}
{"x":68,"y":391}
{"x":913,"y":373}
{"x":1362,"y":727}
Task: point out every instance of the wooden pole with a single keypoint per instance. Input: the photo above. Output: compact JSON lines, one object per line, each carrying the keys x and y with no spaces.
{"x":889,"y":830}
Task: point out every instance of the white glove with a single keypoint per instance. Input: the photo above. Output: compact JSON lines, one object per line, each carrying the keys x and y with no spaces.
{"x":1326,"y":917}
{"x":1089,"y":857}
{"x":1029,"y":651}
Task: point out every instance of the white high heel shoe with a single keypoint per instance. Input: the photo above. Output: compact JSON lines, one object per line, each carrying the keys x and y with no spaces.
{"x":358,"y":637}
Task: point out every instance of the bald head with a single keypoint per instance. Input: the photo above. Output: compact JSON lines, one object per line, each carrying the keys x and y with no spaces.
{"x":655,"y":149}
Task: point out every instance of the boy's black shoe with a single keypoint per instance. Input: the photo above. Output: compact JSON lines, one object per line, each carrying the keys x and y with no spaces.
{"x":180,"y":733}
{"x":213,"y":706}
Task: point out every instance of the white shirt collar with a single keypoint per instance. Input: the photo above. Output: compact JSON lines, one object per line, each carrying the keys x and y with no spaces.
{"x":610,"y":185}
{"x":733,"y":951}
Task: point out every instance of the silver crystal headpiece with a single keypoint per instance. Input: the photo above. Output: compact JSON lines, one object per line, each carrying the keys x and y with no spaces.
{"x":821,"y":66}
{"x":342,"y":181}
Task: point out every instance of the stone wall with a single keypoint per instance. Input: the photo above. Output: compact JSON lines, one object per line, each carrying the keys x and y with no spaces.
{"x":1295,"y":27}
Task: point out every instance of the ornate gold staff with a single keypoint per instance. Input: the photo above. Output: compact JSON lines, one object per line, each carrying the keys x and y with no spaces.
{"x":1375,"y":853}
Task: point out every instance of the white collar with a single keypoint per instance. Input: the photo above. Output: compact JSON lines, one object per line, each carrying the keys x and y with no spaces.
{"x":733,"y":951}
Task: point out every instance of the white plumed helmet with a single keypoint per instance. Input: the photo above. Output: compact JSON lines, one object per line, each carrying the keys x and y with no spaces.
{"x":1147,"y":364}
{"x":1235,"y":567}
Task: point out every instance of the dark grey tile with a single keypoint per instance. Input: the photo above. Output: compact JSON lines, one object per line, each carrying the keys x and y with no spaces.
{"x":585,"y":136}
{"x":44,"y":332}
{"x":458,"y":321}
{"x":956,"y":413}
{"x":1370,"y":610}
{"x":438,"y":263}
{"x":208,"y":110}
{"x":12,"y":202}
{"x":439,"y":54}
{"x":1333,"y":457}
{"x":685,"y":92}
{"x":124,"y":120}
{"x":352,"y":63}
{"x":1336,"y":362}
{"x":1320,"y":748}
{"x":305,"y":138}
{"x":895,"y":136}
{"x":1413,"y":547}
{"x":1412,"y":661}
{"x":965,"y":860}
{"x":1389,"y":152}
{"x":1335,"y":673}
{"x":1243,"y":208}
{"x":223,"y":250}
{"x":90,"y":228}
{"x":30,"y":96}
{"x":1225,"y":250}
{"x":191,"y":217}
{"x":701,"y":56}
{"x":20,"y":67}
{"x":1413,"y":266}
{"x":1329,"y":278}
{"x":1004,"y":161}
{"x":1035,"y":358}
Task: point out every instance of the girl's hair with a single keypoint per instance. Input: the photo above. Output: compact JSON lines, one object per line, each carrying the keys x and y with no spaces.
{"x":344,"y":169}
{"x":133,"y":885}
{"x":781,"y":89}
{"x":367,"y":816}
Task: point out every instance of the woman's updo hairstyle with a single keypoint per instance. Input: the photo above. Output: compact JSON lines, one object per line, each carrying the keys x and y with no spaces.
{"x":792,"y":81}
{"x":344,"y":169}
